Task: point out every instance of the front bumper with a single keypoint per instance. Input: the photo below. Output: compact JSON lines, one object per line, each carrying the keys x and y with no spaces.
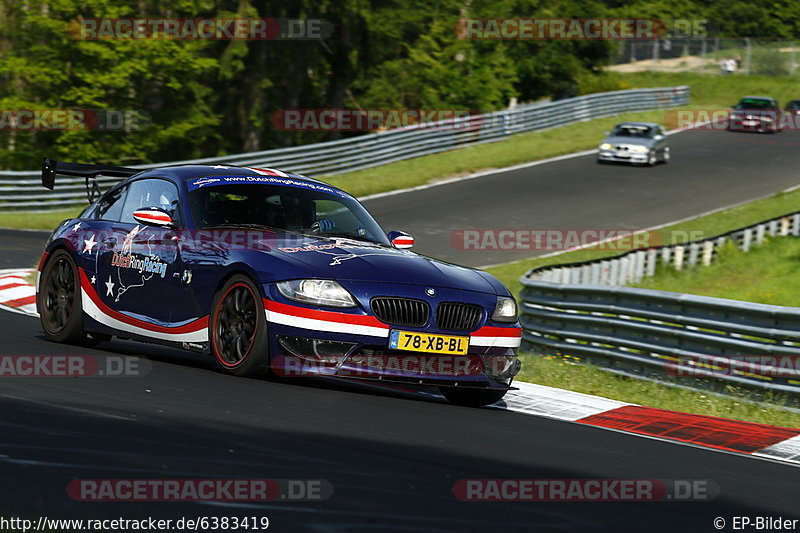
{"x":622,"y":156}
{"x":309,"y":342}
{"x":754,"y":124}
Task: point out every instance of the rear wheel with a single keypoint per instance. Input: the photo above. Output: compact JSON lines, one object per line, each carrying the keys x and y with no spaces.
{"x":472,"y":397}
{"x":59,"y":300}
{"x":238,"y":329}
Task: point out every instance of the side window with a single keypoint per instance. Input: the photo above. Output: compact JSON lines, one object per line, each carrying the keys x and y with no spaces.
{"x":150,"y":193}
{"x":110,"y":207}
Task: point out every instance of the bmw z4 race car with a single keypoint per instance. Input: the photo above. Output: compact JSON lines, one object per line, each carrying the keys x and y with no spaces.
{"x":270,"y":271}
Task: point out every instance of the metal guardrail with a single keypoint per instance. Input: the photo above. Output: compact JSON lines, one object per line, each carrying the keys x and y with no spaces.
{"x":633,"y":266}
{"x":579,"y":310}
{"x":698,"y":341}
{"x":22,"y":189}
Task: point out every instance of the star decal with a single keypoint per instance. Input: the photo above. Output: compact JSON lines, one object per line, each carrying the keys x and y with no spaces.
{"x":109,"y":287}
{"x":89,"y":244}
{"x":76,"y":227}
{"x":93,"y":280}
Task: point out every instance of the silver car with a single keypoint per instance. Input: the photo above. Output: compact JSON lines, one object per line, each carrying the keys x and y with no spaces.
{"x":642,"y":143}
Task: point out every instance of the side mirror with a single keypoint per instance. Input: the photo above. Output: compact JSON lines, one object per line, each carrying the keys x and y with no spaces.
{"x":153,"y":216}
{"x":400,"y":239}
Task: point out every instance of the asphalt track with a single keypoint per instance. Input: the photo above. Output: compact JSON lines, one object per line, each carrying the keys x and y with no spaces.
{"x":392,"y":459}
{"x":709,"y":170}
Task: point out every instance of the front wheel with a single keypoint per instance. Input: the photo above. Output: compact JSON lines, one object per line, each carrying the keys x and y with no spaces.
{"x":472,"y":397}
{"x":666,"y":155}
{"x":651,"y":158}
{"x":238,"y":329}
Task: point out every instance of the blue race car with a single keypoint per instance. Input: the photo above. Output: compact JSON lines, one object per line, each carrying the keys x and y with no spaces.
{"x":270,"y":271}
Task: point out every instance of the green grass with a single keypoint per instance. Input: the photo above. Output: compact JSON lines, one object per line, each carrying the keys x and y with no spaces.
{"x":766,"y":274}
{"x":45,"y":220}
{"x":714,"y":90}
{"x":587,"y":379}
{"x":709,"y":225}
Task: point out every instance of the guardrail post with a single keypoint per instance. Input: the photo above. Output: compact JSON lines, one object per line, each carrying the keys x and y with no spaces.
{"x":679,"y":250}
{"x":652,"y":257}
{"x":708,"y":250}
{"x":760,"y":231}
{"x":693,"y":252}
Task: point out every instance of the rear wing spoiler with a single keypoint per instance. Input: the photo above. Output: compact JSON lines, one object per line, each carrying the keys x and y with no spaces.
{"x":51,"y":167}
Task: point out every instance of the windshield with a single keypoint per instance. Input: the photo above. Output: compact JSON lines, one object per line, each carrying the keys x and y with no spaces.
{"x":284,"y":208}
{"x":630,"y":130}
{"x":754,"y":103}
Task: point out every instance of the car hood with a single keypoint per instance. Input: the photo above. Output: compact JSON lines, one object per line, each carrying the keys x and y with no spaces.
{"x":636,"y":141}
{"x":345,"y":259}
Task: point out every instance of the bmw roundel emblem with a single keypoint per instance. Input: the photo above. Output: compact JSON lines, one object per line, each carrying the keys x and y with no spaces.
{"x":430,"y":292}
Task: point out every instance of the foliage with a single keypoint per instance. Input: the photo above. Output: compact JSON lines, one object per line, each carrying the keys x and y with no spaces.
{"x":201,"y":98}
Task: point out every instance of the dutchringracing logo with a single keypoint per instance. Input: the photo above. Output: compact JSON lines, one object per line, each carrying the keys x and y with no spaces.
{"x":205,"y":181}
{"x":141,"y":265}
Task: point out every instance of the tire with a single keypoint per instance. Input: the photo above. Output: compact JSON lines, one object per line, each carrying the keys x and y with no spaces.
{"x":666,"y":155}
{"x":652,"y":159}
{"x":59,"y":300}
{"x":472,"y":397}
{"x":237,"y":329}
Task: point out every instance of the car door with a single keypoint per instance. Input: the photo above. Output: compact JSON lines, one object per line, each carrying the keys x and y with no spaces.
{"x":137,"y":263}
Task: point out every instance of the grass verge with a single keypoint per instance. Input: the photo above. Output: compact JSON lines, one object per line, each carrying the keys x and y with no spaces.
{"x":44,"y":220}
{"x":588,"y":379}
{"x":766,"y":274}
{"x":710,"y":225}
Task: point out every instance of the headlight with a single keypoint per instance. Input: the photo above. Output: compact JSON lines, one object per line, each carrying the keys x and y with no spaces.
{"x":605,"y":146}
{"x":639,"y":149}
{"x":505,"y":310}
{"x":316,"y":291}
